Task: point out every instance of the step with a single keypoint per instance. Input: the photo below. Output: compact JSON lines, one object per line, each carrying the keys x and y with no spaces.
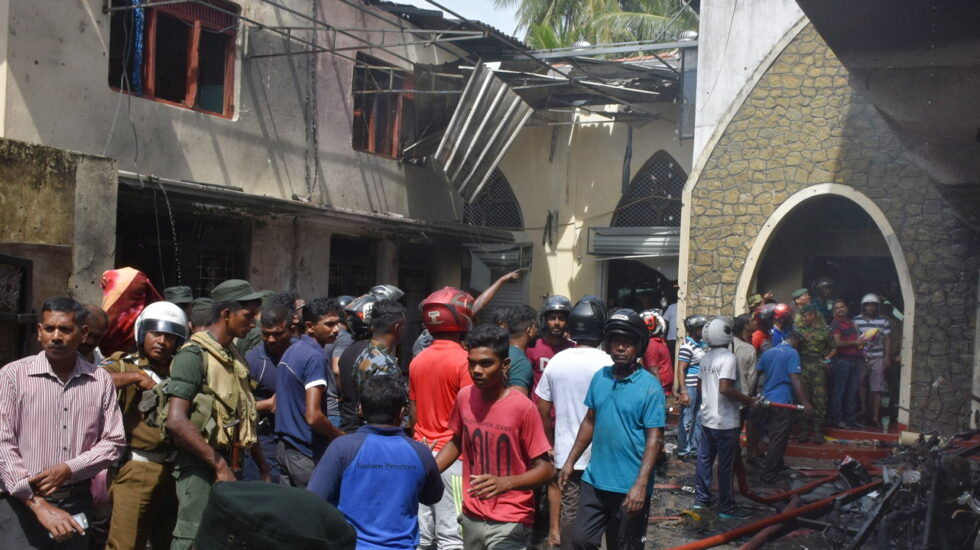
{"x":863,"y":434}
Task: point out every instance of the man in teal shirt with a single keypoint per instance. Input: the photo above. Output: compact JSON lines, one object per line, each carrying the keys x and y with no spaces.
{"x":523,"y":327}
{"x":626,"y":417}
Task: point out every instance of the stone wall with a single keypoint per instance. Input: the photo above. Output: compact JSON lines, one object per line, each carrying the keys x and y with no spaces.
{"x":801,"y":125}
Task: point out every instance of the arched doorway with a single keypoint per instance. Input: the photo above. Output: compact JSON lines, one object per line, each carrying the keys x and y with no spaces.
{"x":834,"y":230}
{"x":642,"y":269}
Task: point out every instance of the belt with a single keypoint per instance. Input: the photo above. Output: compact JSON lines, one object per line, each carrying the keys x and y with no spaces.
{"x":71,"y":491}
{"x":137,"y":455}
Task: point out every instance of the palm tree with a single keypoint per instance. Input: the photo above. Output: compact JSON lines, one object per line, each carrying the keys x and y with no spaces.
{"x":560,"y":23}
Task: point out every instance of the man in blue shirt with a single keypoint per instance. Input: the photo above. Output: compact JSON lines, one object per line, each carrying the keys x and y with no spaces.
{"x":781,"y":367}
{"x":625,"y":421}
{"x":262,"y":361}
{"x":377,"y":476}
{"x":304,"y":382}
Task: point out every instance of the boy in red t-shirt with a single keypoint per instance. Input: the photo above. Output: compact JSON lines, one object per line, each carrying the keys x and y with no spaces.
{"x":505,"y":451}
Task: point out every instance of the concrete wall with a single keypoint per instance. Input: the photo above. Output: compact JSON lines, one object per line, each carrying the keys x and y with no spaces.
{"x":803,"y":128}
{"x":59,"y":211}
{"x":736,"y":38}
{"x":583,"y":183}
{"x":55,"y":92}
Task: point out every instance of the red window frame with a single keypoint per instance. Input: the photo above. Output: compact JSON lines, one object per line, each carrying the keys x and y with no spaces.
{"x":191,"y":14}
{"x":393,"y":127}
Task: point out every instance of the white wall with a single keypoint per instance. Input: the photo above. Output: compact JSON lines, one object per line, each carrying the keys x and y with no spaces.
{"x":731,"y":46}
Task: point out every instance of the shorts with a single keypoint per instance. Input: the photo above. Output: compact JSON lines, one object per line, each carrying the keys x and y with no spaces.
{"x":876,"y":377}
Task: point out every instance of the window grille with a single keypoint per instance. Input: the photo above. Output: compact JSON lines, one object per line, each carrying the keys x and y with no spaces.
{"x":654,"y":196}
{"x":495,"y":206}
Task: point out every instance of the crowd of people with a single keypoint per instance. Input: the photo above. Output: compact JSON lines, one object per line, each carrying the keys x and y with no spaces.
{"x":561,"y":409}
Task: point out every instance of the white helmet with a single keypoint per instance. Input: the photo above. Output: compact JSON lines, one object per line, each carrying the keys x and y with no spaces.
{"x":161,"y":317}
{"x":387,"y":292}
{"x":870,"y":298}
{"x":718,"y":332}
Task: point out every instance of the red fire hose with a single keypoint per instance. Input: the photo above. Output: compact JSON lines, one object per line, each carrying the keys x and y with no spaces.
{"x":783,"y":517}
{"x":762,"y":536}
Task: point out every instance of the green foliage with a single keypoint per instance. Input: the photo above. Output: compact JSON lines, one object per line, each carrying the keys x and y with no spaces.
{"x":559,"y":23}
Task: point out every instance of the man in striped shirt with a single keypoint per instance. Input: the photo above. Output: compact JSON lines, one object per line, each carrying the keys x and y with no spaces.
{"x":59,"y":426}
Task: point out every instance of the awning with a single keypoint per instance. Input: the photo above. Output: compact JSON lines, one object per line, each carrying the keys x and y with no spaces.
{"x":634,"y":242}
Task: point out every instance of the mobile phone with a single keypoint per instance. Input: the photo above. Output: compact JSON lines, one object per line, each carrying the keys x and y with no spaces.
{"x":80,"y":519}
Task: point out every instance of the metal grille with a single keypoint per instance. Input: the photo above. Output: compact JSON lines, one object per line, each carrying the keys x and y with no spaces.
{"x":495,"y":206}
{"x":654,"y":196}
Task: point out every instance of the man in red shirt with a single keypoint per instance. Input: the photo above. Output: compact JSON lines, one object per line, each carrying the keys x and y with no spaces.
{"x":501,"y":436}
{"x":656,"y":359}
{"x":554,"y":318}
{"x":435,"y":376}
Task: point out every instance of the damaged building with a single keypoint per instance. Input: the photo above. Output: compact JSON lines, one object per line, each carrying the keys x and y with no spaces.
{"x":326,"y":146}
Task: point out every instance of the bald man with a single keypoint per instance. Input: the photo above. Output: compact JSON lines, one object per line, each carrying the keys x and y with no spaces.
{"x":97,"y":322}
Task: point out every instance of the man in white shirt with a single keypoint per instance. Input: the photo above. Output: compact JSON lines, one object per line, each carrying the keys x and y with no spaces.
{"x":720,"y":419}
{"x":563,"y":385}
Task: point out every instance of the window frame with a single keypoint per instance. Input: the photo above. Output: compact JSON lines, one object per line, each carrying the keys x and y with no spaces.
{"x":366,"y":63}
{"x":193,"y":61}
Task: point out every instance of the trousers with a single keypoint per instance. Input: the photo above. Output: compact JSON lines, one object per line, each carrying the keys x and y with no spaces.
{"x":439,"y":523}
{"x":193,"y":483}
{"x":144,"y":497}
{"x":780,"y":426}
{"x":844,"y":399}
{"x":813,"y":376}
{"x":602,"y":513}
{"x":720,"y":444}
{"x":20,"y":530}
{"x":689,"y":428}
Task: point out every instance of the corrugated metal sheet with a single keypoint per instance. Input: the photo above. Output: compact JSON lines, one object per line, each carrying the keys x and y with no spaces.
{"x":634,"y":241}
{"x":502,"y":259}
{"x":486,"y":121}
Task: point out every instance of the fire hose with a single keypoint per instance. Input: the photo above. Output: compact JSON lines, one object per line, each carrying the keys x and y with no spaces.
{"x":783,"y":517}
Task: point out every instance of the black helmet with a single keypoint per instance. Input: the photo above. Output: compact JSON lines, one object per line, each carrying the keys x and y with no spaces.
{"x":629,"y":323}
{"x":344,"y":300}
{"x":586,"y":320}
{"x":556,"y":303}
{"x":695,"y":321}
{"x":359,"y":315}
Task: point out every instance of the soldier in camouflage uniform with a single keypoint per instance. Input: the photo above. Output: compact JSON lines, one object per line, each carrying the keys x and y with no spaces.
{"x":387,"y":325}
{"x":816,"y":348}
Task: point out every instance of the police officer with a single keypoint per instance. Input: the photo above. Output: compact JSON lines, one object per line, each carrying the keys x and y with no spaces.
{"x":143,"y":492}
{"x":211,"y":411}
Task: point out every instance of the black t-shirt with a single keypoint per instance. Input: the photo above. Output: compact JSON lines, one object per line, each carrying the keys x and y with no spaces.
{"x":349,"y":421}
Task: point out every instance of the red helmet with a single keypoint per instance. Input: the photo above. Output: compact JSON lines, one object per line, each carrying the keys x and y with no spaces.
{"x":654,"y":321}
{"x":448,"y":310}
{"x":782,"y":313}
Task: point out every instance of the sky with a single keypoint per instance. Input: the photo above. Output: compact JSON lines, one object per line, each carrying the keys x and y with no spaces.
{"x":481,"y":10}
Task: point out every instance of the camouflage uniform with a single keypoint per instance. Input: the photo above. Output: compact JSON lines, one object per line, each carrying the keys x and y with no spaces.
{"x":375,"y":360}
{"x":815,"y":345}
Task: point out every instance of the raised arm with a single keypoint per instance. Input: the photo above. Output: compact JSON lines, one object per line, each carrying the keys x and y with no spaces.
{"x":484,"y":298}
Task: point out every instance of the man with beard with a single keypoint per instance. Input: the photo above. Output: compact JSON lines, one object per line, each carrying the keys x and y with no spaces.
{"x":144,"y":497}
{"x":60,"y":426}
{"x":210,"y":371}
{"x":554,"y":320}
{"x":624,"y":424}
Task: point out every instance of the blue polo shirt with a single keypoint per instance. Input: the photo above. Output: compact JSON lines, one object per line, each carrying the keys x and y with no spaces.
{"x":377,"y":477}
{"x":624,"y":409}
{"x":778,"y":363}
{"x":263,"y":370}
{"x":303,"y":366}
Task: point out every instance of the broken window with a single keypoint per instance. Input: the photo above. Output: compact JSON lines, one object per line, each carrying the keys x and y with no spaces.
{"x":495,"y":206}
{"x":182,"y":54}
{"x":383,"y":110}
{"x":654,"y":196}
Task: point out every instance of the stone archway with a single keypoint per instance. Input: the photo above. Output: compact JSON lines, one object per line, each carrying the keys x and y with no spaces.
{"x":754,"y":260}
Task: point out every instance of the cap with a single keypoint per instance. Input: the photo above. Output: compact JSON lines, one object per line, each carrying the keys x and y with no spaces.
{"x":236,"y":290}
{"x":201,"y":304}
{"x":179,"y":295}
{"x":755,"y":300}
{"x":253,"y":514}
{"x":810,"y":307}
{"x":800,"y":292}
